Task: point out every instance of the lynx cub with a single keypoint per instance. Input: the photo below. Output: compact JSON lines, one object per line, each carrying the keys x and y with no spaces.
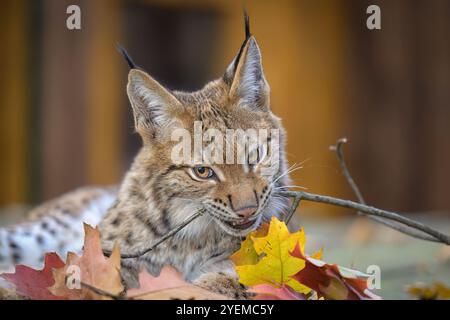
{"x":157,"y":194}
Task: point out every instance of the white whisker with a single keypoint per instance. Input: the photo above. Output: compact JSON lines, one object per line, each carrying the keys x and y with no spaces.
{"x":277,"y":205}
{"x":285,"y":187}
{"x":290,"y":170}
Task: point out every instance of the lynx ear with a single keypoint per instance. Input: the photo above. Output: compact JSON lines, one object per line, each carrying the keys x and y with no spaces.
{"x":153,"y":105}
{"x":248,"y":86}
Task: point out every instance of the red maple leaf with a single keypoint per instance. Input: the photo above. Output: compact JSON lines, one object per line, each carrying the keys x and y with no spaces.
{"x":329,"y":282}
{"x":34,"y":283}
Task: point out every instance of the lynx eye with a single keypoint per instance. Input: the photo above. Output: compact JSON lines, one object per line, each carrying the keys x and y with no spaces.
{"x":203,"y":172}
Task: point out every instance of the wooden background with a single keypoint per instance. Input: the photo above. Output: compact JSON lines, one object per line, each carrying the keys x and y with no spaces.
{"x":65,"y":120}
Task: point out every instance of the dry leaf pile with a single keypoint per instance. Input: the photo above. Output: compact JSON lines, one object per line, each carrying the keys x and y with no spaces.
{"x":271,"y":261}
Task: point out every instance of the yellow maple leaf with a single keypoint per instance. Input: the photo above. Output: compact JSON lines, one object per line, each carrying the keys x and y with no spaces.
{"x":247,"y":253}
{"x":277,"y":264}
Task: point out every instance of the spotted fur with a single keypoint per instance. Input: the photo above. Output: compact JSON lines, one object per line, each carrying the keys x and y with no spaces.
{"x":55,"y":226}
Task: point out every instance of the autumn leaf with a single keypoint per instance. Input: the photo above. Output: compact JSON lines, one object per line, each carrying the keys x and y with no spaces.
{"x":269,"y":292}
{"x":271,"y":261}
{"x":435,"y":291}
{"x":264,"y":263}
{"x":247,"y":253}
{"x":95,"y":270}
{"x":276,"y":265}
{"x":34,"y":283}
{"x":331,"y":281}
{"x":169,"y":285}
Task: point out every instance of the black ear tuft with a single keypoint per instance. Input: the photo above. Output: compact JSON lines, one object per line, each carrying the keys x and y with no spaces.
{"x":247,"y":36}
{"x":247,"y":25}
{"x":126,"y":56}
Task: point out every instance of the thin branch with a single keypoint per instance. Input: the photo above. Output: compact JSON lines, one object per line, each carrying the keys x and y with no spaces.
{"x":406,"y":230}
{"x":393,"y":225}
{"x":162,"y":239}
{"x":340,"y":154}
{"x":369,"y":210}
{"x":293,"y":208}
{"x":103,"y":292}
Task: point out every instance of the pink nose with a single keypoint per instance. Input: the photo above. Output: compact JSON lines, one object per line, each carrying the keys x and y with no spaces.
{"x":246,"y":212}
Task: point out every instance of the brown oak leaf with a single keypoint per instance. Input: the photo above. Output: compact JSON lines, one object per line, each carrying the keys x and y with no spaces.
{"x":92,"y":268}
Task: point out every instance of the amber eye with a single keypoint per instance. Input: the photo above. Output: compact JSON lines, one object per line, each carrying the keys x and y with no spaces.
{"x":203,"y":172}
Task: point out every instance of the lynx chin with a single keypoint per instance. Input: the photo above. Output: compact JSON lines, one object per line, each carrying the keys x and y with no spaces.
{"x":158,"y":193}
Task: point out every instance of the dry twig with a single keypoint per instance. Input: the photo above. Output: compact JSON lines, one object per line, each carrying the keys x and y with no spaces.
{"x":103,"y":292}
{"x":390,"y":219}
{"x":162,"y":239}
{"x":393,"y":225}
{"x":436,"y":236}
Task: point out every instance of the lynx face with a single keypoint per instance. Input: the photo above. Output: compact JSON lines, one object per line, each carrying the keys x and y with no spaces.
{"x":235,"y":194}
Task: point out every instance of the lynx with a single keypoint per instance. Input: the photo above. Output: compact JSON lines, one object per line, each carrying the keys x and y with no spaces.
{"x":157,"y":194}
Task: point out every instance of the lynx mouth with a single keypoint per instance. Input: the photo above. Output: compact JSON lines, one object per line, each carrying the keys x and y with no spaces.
{"x":236,"y":227}
{"x":241,"y":225}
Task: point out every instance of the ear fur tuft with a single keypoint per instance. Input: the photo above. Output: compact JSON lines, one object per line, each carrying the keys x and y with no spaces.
{"x":126,"y":56}
{"x":247,"y":25}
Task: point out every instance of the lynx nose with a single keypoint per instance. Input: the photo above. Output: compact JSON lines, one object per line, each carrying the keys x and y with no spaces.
{"x":246,"y":212}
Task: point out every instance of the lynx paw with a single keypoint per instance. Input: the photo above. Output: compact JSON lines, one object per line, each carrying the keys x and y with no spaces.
{"x":222,"y":283}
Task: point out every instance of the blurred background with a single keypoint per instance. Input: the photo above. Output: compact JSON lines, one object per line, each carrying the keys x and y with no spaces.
{"x":65,"y":120}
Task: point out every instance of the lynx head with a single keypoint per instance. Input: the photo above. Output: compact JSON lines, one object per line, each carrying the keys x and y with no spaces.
{"x":236,"y":195}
